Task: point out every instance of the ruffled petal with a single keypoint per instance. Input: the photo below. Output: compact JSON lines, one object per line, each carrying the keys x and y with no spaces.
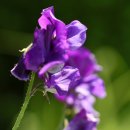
{"x":84,"y":99}
{"x":19,"y":71}
{"x":35,"y":56}
{"x":51,"y":67}
{"x":83,"y":121}
{"x":59,"y":35}
{"x":61,"y":81}
{"x":76,"y":34}
{"x":44,"y":20}
{"x":84,"y":60}
{"x":97,"y":87}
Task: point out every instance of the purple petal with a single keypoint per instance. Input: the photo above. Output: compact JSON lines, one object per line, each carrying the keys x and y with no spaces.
{"x":62,"y":80}
{"x":35,"y":56}
{"x":84,"y":99}
{"x":59,"y":34}
{"x":19,"y":71}
{"x":83,"y":121}
{"x":60,"y":43}
{"x":84,"y":60}
{"x":44,"y":20}
{"x":97,"y":87}
{"x":51,"y":67}
{"x":76,"y":34}
{"x":85,"y":103}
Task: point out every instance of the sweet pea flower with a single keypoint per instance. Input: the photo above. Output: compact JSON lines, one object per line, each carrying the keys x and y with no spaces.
{"x":84,"y":60}
{"x":50,"y":45}
{"x":89,"y":82}
{"x":62,"y":80}
{"x":82,"y":92}
{"x":83,"y":121}
{"x":67,"y":69}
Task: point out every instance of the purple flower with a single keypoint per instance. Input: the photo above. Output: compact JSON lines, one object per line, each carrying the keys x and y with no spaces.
{"x":49,"y":50}
{"x":83,"y":121}
{"x":95,"y":85}
{"x":89,"y":82}
{"x":81,"y":99}
{"x":62,"y":80}
{"x":82,"y":92}
{"x":84,"y":60}
{"x":67,"y":69}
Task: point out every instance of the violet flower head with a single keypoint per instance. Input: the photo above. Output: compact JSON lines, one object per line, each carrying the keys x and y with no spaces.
{"x":83,"y":121}
{"x":90,"y":83}
{"x":49,"y":49}
{"x":67,"y":69}
{"x":82,"y":92}
{"x":86,"y":62}
{"x":81,"y":98}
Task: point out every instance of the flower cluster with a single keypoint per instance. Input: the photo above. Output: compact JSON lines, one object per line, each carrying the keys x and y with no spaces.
{"x":82,"y":92}
{"x":66,"y":68}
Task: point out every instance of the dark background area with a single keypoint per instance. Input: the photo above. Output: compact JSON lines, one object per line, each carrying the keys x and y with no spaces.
{"x":108,"y":36}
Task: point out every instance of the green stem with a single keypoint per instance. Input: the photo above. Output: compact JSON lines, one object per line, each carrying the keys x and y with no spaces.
{"x":25,"y":104}
{"x":61,"y":124}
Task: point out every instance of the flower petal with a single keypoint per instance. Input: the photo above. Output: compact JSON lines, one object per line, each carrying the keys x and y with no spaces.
{"x":97,"y":87}
{"x":51,"y":67}
{"x":59,"y":34}
{"x":35,"y":56}
{"x":76,"y":34}
{"x":19,"y":71}
{"x":84,"y":99}
{"x":83,"y":121}
{"x":62,"y":80}
{"x":84,"y":60}
{"x":44,"y":20}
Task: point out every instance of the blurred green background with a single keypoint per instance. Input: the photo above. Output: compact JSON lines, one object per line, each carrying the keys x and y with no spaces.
{"x":108,"y":23}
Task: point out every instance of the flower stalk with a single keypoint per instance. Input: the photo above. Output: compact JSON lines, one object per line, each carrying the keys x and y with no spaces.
{"x":25,"y":104}
{"x":65,"y":67}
